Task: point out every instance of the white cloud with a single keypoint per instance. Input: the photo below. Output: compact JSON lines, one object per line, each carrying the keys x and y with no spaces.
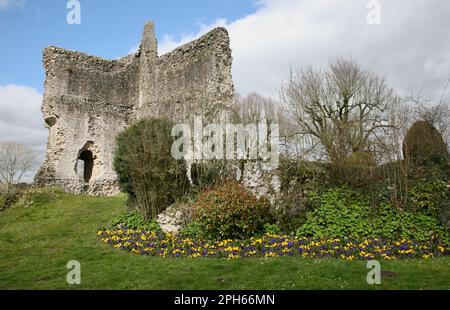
{"x":6,"y":4}
{"x":21,"y":118}
{"x":169,"y":42}
{"x":410,"y":47}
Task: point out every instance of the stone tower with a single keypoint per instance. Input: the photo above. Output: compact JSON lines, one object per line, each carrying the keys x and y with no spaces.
{"x":89,"y":100}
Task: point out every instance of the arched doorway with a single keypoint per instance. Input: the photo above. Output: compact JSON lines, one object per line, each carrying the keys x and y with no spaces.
{"x":88,"y":164}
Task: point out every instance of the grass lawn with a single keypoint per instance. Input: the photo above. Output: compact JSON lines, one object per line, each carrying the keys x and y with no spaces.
{"x":37,"y":241}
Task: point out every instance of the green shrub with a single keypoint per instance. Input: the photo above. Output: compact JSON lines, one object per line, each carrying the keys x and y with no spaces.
{"x":432,"y":198}
{"x":135,"y":220}
{"x":343,"y":213}
{"x":394,"y":224}
{"x":193,"y":230}
{"x":429,"y":197}
{"x":230,"y":211}
{"x":271,"y":229}
{"x":424,"y":144}
{"x":146,"y":170}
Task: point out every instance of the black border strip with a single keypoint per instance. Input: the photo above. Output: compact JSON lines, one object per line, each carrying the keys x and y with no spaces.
{"x":149,"y":299}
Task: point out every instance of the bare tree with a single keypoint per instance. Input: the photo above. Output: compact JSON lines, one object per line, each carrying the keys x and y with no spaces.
{"x":16,"y":160}
{"x":437,"y":114}
{"x":253,"y":108}
{"x":344,"y":108}
{"x":401,"y":117}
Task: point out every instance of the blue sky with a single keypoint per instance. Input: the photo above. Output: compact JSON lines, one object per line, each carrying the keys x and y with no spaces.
{"x":108,"y":28}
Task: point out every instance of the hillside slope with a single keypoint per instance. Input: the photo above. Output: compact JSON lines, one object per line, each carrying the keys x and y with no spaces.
{"x":40,"y":234}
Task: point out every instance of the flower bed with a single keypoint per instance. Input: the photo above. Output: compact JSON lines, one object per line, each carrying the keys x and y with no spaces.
{"x":168,"y":245}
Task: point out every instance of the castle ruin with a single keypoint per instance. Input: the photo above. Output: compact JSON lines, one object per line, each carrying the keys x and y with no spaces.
{"x":88,"y":101}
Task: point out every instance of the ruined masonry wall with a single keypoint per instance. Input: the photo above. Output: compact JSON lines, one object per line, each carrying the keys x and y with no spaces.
{"x":89,"y":100}
{"x":192,"y":79}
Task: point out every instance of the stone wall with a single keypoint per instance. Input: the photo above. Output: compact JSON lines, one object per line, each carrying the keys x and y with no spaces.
{"x":260,"y":182}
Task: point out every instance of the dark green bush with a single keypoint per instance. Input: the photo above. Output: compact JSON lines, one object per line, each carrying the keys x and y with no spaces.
{"x":430,"y":197}
{"x":424,"y":145}
{"x":230,"y":211}
{"x":343,"y":213}
{"x":146,"y":170}
{"x":135,"y":220}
